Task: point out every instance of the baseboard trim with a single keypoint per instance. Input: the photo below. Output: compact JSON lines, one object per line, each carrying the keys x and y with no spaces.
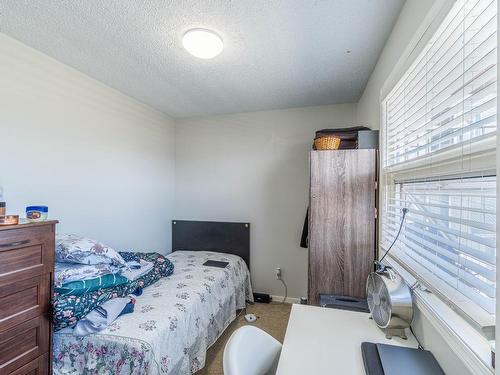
{"x":288,"y":299}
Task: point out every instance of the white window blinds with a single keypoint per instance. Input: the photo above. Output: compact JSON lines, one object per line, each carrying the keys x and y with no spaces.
{"x":451,"y":232}
{"x":439,"y":139}
{"x":448,"y":96}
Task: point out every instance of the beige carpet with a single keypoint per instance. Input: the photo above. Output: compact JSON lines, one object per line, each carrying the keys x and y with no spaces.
{"x":272,"y":318}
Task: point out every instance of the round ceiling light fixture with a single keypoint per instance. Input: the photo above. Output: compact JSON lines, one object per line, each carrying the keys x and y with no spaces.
{"x":202,"y":43}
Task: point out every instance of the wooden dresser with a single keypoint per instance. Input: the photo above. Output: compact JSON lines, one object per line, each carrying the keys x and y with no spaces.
{"x":26,"y":269}
{"x":342,"y":223}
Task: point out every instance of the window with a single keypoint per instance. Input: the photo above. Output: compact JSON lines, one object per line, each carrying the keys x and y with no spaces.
{"x":439,"y":144}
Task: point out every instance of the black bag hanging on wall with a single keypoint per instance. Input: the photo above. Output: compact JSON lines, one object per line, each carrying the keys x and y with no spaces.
{"x":305,"y":231}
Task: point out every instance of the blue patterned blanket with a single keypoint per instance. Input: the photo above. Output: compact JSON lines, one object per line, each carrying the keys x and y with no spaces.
{"x":68,"y":309}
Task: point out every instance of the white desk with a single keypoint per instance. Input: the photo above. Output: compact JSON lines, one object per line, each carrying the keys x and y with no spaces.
{"x":328,"y":341}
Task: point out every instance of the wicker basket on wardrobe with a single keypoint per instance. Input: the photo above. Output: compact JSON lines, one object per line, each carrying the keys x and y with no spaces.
{"x":327,"y":143}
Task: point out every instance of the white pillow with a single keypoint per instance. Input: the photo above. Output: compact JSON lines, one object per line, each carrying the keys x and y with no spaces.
{"x":71,"y":248}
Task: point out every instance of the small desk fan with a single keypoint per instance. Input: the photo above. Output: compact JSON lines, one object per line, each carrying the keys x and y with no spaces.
{"x":389,"y":297}
{"x":390,"y":302}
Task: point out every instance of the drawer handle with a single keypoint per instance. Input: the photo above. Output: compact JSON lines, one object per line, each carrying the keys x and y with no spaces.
{"x":14,"y":244}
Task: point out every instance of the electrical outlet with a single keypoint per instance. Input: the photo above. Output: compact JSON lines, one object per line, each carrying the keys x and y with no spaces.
{"x":278,"y":273}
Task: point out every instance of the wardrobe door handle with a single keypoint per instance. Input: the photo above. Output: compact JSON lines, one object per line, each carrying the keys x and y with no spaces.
{"x":14,"y":244}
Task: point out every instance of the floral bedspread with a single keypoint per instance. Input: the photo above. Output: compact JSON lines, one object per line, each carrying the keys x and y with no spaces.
{"x":174,"y":322}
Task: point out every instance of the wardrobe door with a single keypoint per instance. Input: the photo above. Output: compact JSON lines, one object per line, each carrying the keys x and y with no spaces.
{"x":341,"y":222}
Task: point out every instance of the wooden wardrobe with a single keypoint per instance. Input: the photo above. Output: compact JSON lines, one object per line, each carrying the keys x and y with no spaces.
{"x":342,"y":222}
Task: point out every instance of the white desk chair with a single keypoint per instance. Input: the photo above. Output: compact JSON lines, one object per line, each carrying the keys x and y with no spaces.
{"x":251,"y":351}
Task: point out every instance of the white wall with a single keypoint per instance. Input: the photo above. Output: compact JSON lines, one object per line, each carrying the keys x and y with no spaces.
{"x":101,"y":161}
{"x":254,"y":167}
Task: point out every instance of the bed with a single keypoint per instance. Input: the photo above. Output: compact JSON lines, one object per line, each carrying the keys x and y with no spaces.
{"x":176,"y":319}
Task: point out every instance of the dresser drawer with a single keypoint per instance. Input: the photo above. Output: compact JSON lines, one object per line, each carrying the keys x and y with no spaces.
{"x":24,"y":300}
{"x":23,"y":343}
{"x":39,"y":366}
{"x":26,"y":252}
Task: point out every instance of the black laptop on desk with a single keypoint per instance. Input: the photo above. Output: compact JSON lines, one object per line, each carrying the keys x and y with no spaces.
{"x":383,"y":359}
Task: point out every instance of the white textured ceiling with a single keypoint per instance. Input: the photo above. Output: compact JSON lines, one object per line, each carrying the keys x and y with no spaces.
{"x":278,"y":53}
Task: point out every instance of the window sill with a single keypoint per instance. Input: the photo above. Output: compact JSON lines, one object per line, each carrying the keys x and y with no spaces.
{"x":468,"y":344}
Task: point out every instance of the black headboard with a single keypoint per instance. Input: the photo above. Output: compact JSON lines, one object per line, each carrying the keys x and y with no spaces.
{"x":229,"y":238}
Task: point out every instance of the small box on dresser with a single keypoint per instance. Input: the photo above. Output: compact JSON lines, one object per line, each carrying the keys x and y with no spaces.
{"x":26,"y":272}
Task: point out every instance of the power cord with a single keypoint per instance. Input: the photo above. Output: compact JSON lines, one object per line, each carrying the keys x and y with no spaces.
{"x":243,"y":310}
{"x":286,"y":290}
{"x":415,"y":285}
{"x":420,"y":347}
{"x":405,"y":211}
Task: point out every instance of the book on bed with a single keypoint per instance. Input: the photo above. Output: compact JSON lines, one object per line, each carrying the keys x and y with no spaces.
{"x":215,"y":263}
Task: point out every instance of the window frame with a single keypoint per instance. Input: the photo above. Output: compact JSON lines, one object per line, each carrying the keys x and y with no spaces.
{"x":389,"y":174}
{"x":470,"y":339}
{"x":461,"y":335}
{"x":469,"y":310}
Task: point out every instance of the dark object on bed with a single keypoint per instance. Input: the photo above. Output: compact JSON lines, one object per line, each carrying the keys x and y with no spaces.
{"x":383,"y":359}
{"x":262,"y":297}
{"x":222,"y":237}
{"x":343,"y":302}
{"x":215,"y":263}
